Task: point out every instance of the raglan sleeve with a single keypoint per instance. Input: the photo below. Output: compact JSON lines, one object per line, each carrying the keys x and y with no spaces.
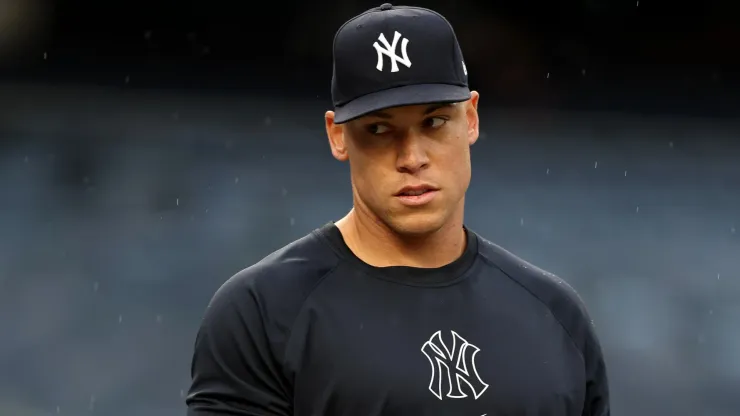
{"x":234,"y":369}
{"x":597,"y":383}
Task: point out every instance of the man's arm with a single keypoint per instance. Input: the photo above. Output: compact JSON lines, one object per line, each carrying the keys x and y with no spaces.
{"x":234,"y":370}
{"x":597,"y":384}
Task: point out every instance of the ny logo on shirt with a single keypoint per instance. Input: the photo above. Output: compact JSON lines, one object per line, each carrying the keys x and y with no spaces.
{"x":453,"y":369}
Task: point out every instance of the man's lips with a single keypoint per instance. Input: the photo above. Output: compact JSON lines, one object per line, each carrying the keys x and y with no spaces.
{"x":415,"y":190}
{"x":416,"y":195}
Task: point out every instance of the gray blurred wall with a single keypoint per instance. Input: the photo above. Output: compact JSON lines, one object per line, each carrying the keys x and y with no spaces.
{"x":122,"y":211}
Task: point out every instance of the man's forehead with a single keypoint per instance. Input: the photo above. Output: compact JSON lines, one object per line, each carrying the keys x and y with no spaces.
{"x":423,"y":109}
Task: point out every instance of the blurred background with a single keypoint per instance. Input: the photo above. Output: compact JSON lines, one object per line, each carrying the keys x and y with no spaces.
{"x":150,"y":150}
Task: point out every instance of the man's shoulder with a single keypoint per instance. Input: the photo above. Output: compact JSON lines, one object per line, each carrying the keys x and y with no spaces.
{"x":286,"y":276}
{"x":543,"y":284}
{"x":247,"y":328}
{"x":554,"y":292}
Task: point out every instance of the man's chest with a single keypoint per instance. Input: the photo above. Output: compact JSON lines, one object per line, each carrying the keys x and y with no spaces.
{"x":438,"y":358}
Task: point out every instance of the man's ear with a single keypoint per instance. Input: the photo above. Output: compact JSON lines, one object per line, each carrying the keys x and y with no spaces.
{"x":471,"y":114}
{"x":335,"y":133}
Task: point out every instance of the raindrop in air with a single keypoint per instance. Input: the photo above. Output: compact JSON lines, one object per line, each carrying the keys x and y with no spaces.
{"x":521,"y":221}
{"x":625,"y":173}
{"x":236,"y":180}
{"x":120,"y":318}
{"x":292,"y":221}
{"x":637,"y":209}
{"x":596,"y":164}
{"x":547,"y":172}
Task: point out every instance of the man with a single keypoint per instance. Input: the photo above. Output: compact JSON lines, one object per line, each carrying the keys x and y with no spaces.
{"x":398,"y":308}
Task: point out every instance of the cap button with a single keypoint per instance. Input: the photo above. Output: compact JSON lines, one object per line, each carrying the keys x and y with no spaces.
{"x":386,"y":6}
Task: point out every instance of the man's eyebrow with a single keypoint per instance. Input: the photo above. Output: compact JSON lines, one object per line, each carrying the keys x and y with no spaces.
{"x":380,"y":114}
{"x":432,"y":108}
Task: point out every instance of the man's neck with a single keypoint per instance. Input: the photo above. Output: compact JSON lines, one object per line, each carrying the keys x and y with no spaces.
{"x":376,"y":244}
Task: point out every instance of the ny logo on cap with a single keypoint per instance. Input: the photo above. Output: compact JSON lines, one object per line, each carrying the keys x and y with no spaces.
{"x":389,"y":50}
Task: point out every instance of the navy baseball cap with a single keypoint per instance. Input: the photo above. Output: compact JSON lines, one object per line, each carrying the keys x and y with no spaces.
{"x":392,"y":56}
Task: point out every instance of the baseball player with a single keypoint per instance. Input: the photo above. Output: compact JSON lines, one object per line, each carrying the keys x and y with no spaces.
{"x":398,"y":309}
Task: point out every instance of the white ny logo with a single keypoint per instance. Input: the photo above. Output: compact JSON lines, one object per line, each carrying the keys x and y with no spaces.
{"x":459,"y":360}
{"x":389,"y":50}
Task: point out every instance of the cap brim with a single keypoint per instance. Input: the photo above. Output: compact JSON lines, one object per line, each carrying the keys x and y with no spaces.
{"x":398,"y":97}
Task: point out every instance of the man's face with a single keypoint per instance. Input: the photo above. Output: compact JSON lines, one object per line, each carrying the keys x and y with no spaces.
{"x":420,"y":149}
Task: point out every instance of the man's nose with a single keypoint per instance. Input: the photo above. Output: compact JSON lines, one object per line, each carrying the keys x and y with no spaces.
{"x":412,"y":155}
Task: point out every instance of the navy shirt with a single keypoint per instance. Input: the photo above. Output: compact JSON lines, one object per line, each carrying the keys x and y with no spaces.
{"x":312,"y":330}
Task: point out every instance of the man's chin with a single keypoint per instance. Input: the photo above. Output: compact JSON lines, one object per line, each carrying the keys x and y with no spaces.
{"x":419,"y":224}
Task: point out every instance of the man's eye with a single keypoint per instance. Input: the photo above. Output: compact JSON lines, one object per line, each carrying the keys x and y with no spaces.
{"x":377,"y":129}
{"x":436,"y":122}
